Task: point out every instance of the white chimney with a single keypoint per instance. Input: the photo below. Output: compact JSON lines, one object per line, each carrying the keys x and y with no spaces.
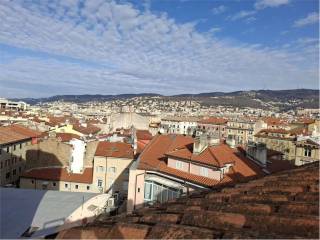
{"x":200,"y":143}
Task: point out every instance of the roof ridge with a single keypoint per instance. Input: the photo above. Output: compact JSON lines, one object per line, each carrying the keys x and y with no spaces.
{"x":212,"y":154}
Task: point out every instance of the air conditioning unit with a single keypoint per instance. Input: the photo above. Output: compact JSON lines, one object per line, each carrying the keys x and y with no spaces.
{"x":110,"y":202}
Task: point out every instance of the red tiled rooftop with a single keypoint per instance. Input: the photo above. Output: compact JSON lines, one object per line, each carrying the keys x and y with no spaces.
{"x":213,"y":120}
{"x":114,"y":149}
{"x":279,"y":206}
{"x":143,"y":134}
{"x":15,"y":133}
{"x":66,"y":137}
{"x":90,"y":129}
{"x":59,"y":174}
{"x":154,"y":155}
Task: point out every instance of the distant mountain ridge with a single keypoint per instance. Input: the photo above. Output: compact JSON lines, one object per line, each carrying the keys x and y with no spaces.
{"x":284,"y":99}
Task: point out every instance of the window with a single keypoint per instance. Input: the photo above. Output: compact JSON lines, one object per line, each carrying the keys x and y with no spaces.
{"x":32,"y":181}
{"x":159,"y":192}
{"x":7,"y":149}
{"x":1,"y":166}
{"x":147,"y":191}
{"x":0,"y":151}
{"x":307,"y":152}
{"x":100,"y":169}
{"x":76,"y":186}
{"x":54,"y":184}
{"x":66,"y":185}
{"x":14,"y":172}
{"x":179,"y":164}
{"x":112,"y":169}
{"x":8,"y":175}
{"x":204,"y":171}
{"x":20,"y":145}
{"x":14,"y":147}
{"x":19,"y":169}
{"x":99,"y":183}
{"x":88,"y":187}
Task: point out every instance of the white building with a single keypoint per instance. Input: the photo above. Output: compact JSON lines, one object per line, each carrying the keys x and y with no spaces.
{"x":179,"y":125}
{"x":7,"y":104}
{"x":77,"y":155}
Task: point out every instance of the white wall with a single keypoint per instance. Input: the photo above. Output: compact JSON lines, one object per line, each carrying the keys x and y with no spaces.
{"x":78,"y":151}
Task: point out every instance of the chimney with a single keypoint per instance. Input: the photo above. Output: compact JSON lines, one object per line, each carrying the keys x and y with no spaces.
{"x":200,"y":143}
{"x":258,"y":152}
{"x":213,"y":141}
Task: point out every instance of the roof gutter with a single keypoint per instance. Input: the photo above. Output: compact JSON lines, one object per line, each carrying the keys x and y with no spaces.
{"x":176,"y":179}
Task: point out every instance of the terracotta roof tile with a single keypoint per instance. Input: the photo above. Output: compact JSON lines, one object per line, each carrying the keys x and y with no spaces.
{"x":114,"y":149}
{"x":66,"y":137}
{"x":59,"y":174}
{"x":90,"y":129}
{"x":15,"y":133}
{"x":247,"y":212}
{"x":152,"y":158}
{"x":214,"y":121}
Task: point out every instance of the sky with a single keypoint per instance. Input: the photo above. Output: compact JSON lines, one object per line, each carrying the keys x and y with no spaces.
{"x":55,"y":47}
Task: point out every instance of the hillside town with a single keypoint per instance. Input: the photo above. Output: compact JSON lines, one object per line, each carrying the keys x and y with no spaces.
{"x":139,"y":153}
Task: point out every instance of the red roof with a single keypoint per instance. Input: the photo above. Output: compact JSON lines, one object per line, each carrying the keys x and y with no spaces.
{"x":280,"y":206}
{"x":143,"y":135}
{"x":90,"y":129}
{"x":114,"y":149}
{"x":214,"y":121}
{"x":155,"y":154}
{"x":15,"y":133}
{"x":59,"y":174}
{"x":66,"y":137}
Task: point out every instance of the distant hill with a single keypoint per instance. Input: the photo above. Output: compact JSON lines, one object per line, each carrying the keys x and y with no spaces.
{"x":282,"y":99}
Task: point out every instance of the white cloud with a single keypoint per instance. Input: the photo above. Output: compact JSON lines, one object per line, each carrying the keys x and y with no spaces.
{"x":128,"y":50}
{"x":310,"y":19}
{"x":214,"y":30}
{"x":250,"y":19}
{"x":241,"y":14}
{"x":218,"y":10}
{"x":261,"y":4}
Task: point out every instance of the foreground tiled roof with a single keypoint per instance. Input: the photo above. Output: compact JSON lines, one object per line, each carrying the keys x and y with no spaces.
{"x":153,"y":159}
{"x":59,"y":174}
{"x":114,"y":149}
{"x":283,"y":205}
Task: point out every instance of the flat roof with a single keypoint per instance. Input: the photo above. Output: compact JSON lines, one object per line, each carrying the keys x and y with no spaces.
{"x":23,"y":208}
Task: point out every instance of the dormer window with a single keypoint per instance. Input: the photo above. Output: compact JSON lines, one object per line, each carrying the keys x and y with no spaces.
{"x":307,"y":152}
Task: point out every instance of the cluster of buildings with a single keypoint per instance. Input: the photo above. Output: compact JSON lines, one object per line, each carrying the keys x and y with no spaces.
{"x":140,"y":159}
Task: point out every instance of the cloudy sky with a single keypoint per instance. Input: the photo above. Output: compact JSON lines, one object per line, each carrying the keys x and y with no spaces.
{"x":50,"y":47}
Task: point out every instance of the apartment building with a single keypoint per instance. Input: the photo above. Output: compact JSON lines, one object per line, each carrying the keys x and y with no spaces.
{"x":15,"y":140}
{"x":7,"y":104}
{"x":109,"y":172}
{"x":172,"y":165}
{"x":112,"y":161}
{"x":243,"y":130}
{"x":213,"y":126}
{"x":59,"y":179}
{"x":307,"y":150}
{"x":179,"y":125}
{"x":279,"y":140}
